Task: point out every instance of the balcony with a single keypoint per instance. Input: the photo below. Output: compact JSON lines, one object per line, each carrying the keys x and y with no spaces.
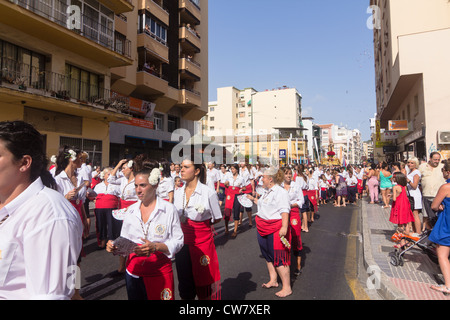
{"x":90,"y":39}
{"x":118,"y":6}
{"x":156,"y":9}
{"x":190,"y":40}
{"x":190,"y":98}
{"x":20,"y":83}
{"x":190,"y":69}
{"x":189,"y":12}
{"x":150,"y":83}
{"x":157,"y":47}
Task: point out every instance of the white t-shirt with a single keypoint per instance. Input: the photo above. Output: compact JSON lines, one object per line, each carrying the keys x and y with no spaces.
{"x":39,"y":246}
{"x":295,"y":194}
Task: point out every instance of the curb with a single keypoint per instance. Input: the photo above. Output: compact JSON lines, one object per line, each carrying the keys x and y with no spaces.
{"x":386,"y":289}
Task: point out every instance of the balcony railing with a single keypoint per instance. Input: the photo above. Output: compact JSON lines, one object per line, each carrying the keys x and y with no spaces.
{"x":18,"y":76}
{"x":100,"y":33}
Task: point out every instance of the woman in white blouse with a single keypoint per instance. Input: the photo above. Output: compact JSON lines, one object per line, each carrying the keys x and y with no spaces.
{"x":153,"y":224}
{"x":125,"y":180}
{"x":197,"y":262}
{"x":234,"y":185}
{"x":106,"y":200}
{"x":413,"y":180}
{"x":272,"y":222}
{"x":167,"y":184}
{"x":297,"y":200}
{"x":40,"y":231}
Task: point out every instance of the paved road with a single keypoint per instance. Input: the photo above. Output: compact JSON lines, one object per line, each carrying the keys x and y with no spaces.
{"x":330,"y":263}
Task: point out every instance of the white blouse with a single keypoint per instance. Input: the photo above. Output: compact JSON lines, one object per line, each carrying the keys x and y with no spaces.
{"x":163,"y":226}
{"x":238,"y":182}
{"x":273,"y":203}
{"x":165,"y":186}
{"x":295,"y":194}
{"x":203,"y":203}
{"x":301,"y":182}
{"x":64,"y":185}
{"x":110,"y":189}
{"x":39,"y":246}
{"x":127,"y":189}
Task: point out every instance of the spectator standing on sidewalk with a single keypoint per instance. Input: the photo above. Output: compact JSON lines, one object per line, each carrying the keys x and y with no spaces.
{"x":385,"y":184}
{"x":432,"y":180}
{"x":413,"y":180}
{"x":441,"y":231}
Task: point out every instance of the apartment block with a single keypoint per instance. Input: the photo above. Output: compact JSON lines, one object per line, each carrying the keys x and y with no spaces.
{"x":114,"y":78}
{"x":412,"y":69}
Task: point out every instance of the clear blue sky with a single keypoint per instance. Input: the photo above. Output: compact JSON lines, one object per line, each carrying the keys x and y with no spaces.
{"x":322,"y":48}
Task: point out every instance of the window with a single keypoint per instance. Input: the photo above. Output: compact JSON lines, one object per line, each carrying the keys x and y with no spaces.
{"x":211,"y":109}
{"x":82,"y":84}
{"x":158,"y":120}
{"x":211,"y":119}
{"x":152,"y":27}
{"x":92,"y":147}
{"x":173,"y":123}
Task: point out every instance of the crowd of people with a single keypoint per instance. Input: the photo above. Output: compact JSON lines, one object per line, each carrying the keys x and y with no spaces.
{"x":150,"y":212}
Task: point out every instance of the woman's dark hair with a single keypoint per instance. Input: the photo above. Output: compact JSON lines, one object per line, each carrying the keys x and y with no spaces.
{"x":384,"y":165}
{"x":201,"y":166}
{"x":143,"y":164}
{"x":166,"y":168}
{"x":400,"y":178}
{"x":300,"y":171}
{"x":236,"y":166}
{"x":62,"y":160}
{"x":22,"y":139}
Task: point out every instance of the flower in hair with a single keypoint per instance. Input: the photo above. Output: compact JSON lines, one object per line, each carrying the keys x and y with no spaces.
{"x":53,"y":159}
{"x":130,"y":164}
{"x":72,"y":155}
{"x":154,"y":177}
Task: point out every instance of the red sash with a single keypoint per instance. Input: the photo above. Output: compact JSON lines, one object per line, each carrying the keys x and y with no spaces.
{"x":125,"y":204}
{"x":205,"y":263}
{"x":248,"y":189}
{"x":296,"y":229}
{"x":312,"y":197}
{"x":230,"y":195}
{"x":156,"y":271}
{"x":106,"y":201}
{"x":281,"y":254}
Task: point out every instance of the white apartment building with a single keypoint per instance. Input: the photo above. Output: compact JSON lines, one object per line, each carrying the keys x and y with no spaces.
{"x":347,"y":143}
{"x":412,"y":70}
{"x":235,"y":110}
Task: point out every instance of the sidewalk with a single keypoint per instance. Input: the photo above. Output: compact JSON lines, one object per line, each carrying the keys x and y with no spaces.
{"x":411,"y":281}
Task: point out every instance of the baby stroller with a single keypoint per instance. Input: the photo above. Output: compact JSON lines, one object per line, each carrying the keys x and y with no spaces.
{"x":421,"y":242}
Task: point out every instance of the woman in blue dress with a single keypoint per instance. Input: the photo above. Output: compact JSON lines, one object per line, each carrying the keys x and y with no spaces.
{"x":441,"y":231}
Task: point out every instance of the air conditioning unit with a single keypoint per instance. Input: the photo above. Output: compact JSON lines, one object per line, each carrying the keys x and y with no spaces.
{"x":443,"y":137}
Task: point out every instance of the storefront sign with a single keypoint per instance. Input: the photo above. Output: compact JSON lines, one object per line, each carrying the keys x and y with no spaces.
{"x":139,"y":123}
{"x":398,"y":125}
{"x":390,"y":135}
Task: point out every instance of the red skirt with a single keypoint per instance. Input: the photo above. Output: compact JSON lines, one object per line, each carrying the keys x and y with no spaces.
{"x":281,"y":253}
{"x":296,"y":230}
{"x":312,"y":197}
{"x":156,"y":271}
{"x":205,"y":263}
{"x":360,"y":186}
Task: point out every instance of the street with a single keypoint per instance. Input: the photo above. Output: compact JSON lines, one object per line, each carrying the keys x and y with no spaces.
{"x":329,"y":263}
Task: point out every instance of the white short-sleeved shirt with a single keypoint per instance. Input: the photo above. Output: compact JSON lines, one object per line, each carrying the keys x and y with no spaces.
{"x":351,"y":182}
{"x":64,"y":185}
{"x":273,"y":203}
{"x":203,"y":203}
{"x":110,"y":189}
{"x":245,"y":174}
{"x":39,"y":246}
{"x":295,"y":194}
{"x":127,"y":189}
{"x":212,"y":176}
{"x":165,"y":186}
{"x":163,"y":226}
{"x":224,"y":176}
{"x":312,"y":184}
{"x":238,"y":182}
